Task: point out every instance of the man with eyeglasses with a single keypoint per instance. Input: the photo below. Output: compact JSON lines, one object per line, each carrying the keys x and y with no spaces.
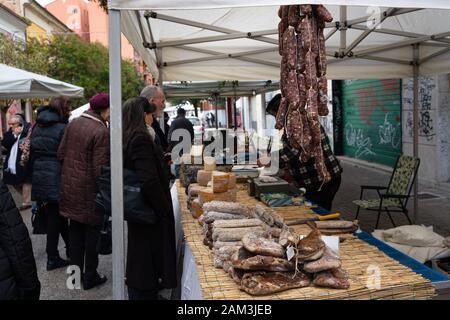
{"x":14,"y":174}
{"x":155,"y":95}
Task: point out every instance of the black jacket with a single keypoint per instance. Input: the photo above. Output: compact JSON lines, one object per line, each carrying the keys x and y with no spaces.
{"x":18,"y":274}
{"x":161,"y":137}
{"x":46,"y":168}
{"x":22,"y":173}
{"x":180,"y":122}
{"x":151,"y":248}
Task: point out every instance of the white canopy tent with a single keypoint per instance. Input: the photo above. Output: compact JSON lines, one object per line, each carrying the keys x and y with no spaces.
{"x":237,"y":40}
{"x":216,"y":41}
{"x":20,"y":84}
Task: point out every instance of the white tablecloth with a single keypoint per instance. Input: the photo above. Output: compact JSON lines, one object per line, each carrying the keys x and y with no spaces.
{"x":190,"y":285}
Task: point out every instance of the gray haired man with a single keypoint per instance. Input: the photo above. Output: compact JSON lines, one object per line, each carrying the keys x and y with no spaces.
{"x":155,"y":95}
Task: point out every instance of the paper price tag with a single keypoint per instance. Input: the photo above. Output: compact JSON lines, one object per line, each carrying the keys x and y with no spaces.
{"x":290,"y":252}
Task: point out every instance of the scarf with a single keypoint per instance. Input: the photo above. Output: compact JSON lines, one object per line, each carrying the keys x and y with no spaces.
{"x":151,"y":131}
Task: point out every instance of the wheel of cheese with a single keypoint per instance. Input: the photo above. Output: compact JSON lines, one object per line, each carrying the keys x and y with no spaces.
{"x":220,"y":181}
{"x":194,"y":189}
{"x":203,"y":177}
{"x":208,"y":195}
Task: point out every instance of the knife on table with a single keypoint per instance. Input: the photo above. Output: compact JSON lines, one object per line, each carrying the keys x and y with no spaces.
{"x":319,"y":218}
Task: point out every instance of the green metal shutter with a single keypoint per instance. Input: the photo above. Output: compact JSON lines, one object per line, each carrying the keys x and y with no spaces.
{"x":372,"y":120}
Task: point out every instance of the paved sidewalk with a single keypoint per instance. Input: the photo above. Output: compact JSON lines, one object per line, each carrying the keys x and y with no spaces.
{"x":432,"y":212}
{"x":53,"y":282}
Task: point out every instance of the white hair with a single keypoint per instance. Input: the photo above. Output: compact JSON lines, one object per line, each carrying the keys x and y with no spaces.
{"x":19,"y":119}
{"x":150,"y":91}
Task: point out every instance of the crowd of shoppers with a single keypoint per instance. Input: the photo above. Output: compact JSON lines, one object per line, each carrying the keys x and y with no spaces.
{"x":61,"y":175}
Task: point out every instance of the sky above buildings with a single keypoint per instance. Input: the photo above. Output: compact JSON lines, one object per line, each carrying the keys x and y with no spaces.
{"x":44,"y":2}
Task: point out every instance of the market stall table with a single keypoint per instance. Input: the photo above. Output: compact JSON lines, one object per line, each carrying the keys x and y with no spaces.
{"x":363,"y":257}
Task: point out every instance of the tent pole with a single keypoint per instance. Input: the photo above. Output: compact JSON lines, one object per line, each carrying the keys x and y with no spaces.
{"x":154,"y":15}
{"x":115,"y":89}
{"x":400,"y":44}
{"x":231,"y":36}
{"x":216,"y":96}
{"x":343,"y":30}
{"x":160,"y":82}
{"x":397,"y":33}
{"x":350,"y":23}
{"x":28,"y":111}
{"x":367,"y":32}
{"x":434,"y":55}
{"x":416,"y":125}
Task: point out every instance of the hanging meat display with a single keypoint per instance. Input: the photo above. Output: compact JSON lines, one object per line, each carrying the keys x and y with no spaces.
{"x":303,"y":80}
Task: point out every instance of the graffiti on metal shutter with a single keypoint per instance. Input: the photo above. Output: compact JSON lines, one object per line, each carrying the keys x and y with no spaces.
{"x":372,"y":120}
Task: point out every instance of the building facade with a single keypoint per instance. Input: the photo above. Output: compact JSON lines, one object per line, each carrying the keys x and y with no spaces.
{"x":13,"y":26}
{"x":43,"y":23}
{"x":89,"y":21}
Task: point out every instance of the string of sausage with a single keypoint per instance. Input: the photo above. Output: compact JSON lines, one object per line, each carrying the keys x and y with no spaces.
{"x":303,"y":79}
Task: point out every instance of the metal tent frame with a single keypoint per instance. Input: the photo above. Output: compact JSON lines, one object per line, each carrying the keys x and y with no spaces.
{"x":224,"y":89}
{"x":439,"y":42}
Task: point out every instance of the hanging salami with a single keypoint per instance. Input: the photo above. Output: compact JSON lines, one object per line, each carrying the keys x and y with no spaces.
{"x":303,"y":80}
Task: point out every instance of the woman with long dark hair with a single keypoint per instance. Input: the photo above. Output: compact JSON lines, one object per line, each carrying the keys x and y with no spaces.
{"x":151,"y":258}
{"x":47,"y":134}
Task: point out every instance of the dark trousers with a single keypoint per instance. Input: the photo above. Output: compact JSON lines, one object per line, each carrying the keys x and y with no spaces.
{"x":83,"y":247}
{"x":56,"y":225}
{"x":324,"y":197}
{"x":135,"y":294}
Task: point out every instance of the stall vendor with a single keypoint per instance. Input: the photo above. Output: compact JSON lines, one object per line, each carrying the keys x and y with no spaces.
{"x":305,"y":174}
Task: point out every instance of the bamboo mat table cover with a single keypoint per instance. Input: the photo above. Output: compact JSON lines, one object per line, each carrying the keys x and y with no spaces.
{"x":373,"y":274}
{"x":438,"y":280}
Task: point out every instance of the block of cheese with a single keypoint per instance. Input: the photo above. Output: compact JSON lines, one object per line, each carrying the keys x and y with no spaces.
{"x":232,"y":182}
{"x":196,"y":209}
{"x":208,"y":195}
{"x":194,"y":189}
{"x":220,"y":181}
{"x":209,"y":163}
{"x":203,"y":177}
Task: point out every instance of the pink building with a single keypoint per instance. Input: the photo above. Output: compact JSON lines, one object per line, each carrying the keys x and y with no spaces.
{"x":87,"y":19}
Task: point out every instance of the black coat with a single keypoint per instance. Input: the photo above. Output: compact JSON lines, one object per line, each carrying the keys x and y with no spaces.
{"x":151,"y":248}
{"x":46,"y":168}
{"x":161,"y":137}
{"x":22,"y":173}
{"x":18,"y":274}
{"x":180,"y":122}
